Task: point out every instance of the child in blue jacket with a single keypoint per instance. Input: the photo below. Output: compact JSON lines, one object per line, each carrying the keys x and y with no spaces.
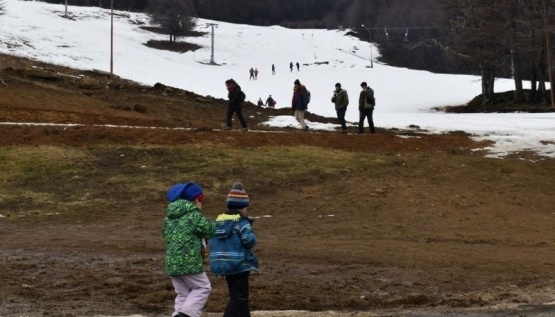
{"x":231,"y":252}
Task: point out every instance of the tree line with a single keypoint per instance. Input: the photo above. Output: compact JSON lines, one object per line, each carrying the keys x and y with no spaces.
{"x":502,"y":38}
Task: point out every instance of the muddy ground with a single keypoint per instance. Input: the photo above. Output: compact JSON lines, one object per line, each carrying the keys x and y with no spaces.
{"x":444,"y":230}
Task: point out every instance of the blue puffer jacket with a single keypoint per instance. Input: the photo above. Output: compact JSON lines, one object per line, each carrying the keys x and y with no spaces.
{"x":231,"y":247}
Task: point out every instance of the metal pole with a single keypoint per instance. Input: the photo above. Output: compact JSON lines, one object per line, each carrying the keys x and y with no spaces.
{"x":548,"y":53}
{"x":112,"y":39}
{"x":212,"y":55}
{"x":65,"y":15}
{"x":369,"y":38}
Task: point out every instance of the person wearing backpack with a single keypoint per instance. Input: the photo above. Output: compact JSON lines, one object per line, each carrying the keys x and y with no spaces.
{"x":236,"y":98}
{"x":366,"y":104}
{"x":299,"y":104}
{"x":341,"y":101}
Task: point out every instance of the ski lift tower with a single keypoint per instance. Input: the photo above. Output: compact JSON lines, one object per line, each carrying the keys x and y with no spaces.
{"x":212,"y":62}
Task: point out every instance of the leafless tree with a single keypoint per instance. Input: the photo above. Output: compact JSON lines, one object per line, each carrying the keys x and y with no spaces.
{"x":480,"y":31}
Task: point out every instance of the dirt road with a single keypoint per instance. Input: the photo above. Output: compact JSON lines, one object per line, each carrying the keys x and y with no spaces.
{"x":366,"y":225}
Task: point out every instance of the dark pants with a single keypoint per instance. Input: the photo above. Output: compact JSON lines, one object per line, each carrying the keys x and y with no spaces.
{"x":366,"y":113}
{"x":341,"y":118}
{"x":237,"y":110}
{"x":238,"y":305}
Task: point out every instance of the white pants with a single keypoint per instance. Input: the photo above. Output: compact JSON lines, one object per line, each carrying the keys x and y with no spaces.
{"x":299,"y":116}
{"x":192,"y":293}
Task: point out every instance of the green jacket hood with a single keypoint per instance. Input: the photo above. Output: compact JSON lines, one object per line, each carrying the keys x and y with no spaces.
{"x":179,"y":208}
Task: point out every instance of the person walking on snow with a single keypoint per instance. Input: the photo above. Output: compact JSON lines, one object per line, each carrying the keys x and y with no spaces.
{"x":298,"y":67}
{"x":184,"y":231}
{"x":341,"y":101}
{"x":251,"y":72}
{"x":273,"y":69}
{"x":291,"y":66}
{"x":299,"y":104}
{"x":366,"y":104}
{"x":236,"y":98}
{"x":255,"y":73}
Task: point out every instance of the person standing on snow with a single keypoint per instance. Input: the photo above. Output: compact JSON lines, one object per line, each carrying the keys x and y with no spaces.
{"x":341,"y":101}
{"x":366,"y":104}
{"x":299,"y":104}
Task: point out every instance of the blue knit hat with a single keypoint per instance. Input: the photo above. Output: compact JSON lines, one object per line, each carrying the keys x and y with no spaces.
{"x":187,"y":191}
{"x":237,"y":197}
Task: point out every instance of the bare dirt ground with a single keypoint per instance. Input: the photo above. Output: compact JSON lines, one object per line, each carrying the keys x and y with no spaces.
{"x":440,"y":230}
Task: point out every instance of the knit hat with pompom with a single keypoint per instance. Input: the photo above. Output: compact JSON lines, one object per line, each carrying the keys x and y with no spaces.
{"x":237,"y":197}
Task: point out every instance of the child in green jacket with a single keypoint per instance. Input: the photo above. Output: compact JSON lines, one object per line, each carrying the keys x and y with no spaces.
{"x":185,"y":229}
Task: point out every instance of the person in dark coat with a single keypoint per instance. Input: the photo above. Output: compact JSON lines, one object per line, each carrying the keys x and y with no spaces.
{"x":236,"y":98}
{"x":299,"y":103}
{"x":270,"y":102}
{"x":366,"y":104}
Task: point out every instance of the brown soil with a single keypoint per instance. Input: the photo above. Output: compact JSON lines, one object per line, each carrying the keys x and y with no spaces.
{"x":442,"y":229}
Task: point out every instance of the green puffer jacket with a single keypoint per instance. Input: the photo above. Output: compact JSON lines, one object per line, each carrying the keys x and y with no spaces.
{"x":340,"y":99}
{"x":184,"y":229}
